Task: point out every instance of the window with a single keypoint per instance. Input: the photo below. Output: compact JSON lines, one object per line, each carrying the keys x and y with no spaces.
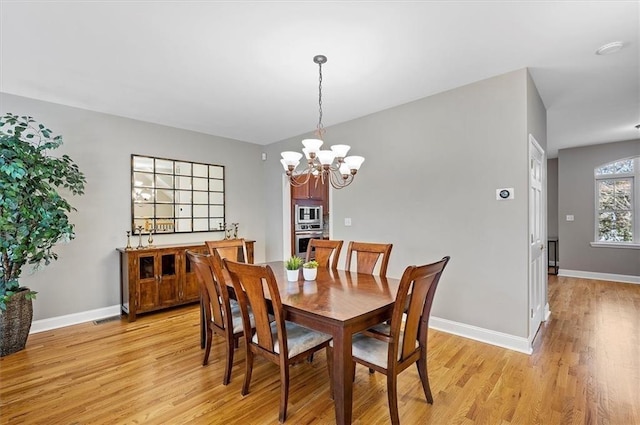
{"x":618,"y":202}
{"x":169,"y":196}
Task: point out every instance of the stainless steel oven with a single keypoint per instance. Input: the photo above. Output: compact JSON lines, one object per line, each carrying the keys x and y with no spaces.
{"x":302,"y":242}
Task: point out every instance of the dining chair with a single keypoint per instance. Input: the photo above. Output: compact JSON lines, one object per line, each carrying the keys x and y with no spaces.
{"x":282,"y":342}
{"x":367,"y":256}
{"x":221,"y":315}
{"x":235,"y":249}
{"x":391,"y":348}
{"x":327,"y":252}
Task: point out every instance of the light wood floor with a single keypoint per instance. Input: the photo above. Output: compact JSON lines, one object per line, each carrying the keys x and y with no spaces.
{"x":585,"y":370}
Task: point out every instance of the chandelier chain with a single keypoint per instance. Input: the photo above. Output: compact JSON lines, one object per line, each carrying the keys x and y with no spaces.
{"x":320,"y":128}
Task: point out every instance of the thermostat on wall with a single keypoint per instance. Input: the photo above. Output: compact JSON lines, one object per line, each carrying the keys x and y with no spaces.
{"x":504,"y":194}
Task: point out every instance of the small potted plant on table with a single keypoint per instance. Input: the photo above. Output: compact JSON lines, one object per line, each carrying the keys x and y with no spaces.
{"x":293,"y":268}
{"x":310,"y":270}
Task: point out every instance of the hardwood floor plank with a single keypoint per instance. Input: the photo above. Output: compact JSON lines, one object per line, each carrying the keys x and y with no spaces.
{"x":585,"y":370}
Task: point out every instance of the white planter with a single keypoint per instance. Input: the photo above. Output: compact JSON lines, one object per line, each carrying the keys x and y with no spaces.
{"x":292,"y":275}
{"x":309,"y":274}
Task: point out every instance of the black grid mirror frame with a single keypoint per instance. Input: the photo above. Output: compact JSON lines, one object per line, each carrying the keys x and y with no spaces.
{"x":174,"y":196}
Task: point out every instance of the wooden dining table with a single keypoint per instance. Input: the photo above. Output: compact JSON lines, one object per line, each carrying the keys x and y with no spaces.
{"x":339,"y":303}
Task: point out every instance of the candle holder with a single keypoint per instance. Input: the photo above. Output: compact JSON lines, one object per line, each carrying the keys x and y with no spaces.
{"x":139,"y":229}
{"x":128,"y":247}
{"x":150,"y":240}
{"x":235,"y":230}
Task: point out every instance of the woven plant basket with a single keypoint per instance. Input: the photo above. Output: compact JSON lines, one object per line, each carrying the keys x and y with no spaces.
{"x":15,"y":323}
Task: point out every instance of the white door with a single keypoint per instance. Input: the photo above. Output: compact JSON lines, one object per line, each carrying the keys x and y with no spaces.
{"x":537,"y":237}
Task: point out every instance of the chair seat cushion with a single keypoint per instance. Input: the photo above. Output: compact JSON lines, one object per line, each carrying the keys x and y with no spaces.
{"x":373,"y":350}
{"x":299,"y":338}
{"x":236,"y":317}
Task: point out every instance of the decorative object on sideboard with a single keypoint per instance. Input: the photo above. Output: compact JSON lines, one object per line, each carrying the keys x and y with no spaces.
{"x":139,"y":229}
{"x":34,"y":216}
{"x":150,"y":240}
{"x":128,"y":247}
{"x":235,"y":230}
{"x":333,"y":165}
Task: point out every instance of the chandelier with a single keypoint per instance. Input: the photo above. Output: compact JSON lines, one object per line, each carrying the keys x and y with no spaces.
{"x":333,"y":166}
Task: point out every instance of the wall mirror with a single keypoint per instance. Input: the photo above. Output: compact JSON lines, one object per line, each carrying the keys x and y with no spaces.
{"x":170,"y":196}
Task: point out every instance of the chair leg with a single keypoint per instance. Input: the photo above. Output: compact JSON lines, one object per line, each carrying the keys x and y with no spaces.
{"x":392,"y":393}
{"x":207,"y":348}
{"x":203,"y":329}
{"x":284,"y":391}
{"x":424,"y":378}
{"x":330,"y":368}
{"x":247,"y":373}
{"x":229,"y":364}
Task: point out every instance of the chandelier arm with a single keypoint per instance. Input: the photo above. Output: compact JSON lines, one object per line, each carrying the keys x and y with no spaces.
{"x":338,"y":182}
{"x":296,"y":181}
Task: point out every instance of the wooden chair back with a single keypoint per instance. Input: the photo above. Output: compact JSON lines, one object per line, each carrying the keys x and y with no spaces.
{"x":327,"y":252}
{"x":367,"y":256}
{"x":233,"y":249}
{"x":415,"y":293}
{"x":215,"y":297}
{"x":256,"y":289}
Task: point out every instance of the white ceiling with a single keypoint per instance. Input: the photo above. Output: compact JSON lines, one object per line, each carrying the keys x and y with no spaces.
{"x":244,"y":70}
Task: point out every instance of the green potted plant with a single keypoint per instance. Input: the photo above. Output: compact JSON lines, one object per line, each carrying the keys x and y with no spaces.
{"x":293,"y":268}
{"x":33,"y":216}
{"x":310,"y":270}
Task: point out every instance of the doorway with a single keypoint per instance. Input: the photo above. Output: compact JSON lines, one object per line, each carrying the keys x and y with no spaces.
{"x":537,"y":237}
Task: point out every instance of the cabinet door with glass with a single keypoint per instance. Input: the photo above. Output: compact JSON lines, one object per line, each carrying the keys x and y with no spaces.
{"x":190,"y":290}
{"x":147,"y":282}
{"x":168,"y":290}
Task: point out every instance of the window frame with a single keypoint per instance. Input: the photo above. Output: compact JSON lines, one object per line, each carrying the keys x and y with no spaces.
{"x":634,"y":178}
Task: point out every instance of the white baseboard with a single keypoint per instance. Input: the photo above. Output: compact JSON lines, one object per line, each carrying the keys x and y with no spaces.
{"x":74,"y":319}
{"x":599,"y":276}
{"x":467,"y":331}
{"x":480,"y":334}
{"x":547,"y":312}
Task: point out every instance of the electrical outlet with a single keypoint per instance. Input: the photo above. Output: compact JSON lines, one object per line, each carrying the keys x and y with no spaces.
{"x":570,"y":217}
{"x":347,"y":222}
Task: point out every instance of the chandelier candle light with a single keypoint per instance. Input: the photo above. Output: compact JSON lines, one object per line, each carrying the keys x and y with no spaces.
{"x":330,"y":165}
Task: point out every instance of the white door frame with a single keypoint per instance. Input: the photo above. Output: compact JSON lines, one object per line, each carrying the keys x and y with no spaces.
{"x":538,"y":306}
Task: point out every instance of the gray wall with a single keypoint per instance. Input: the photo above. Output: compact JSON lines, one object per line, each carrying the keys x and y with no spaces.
{"x":428,"y":186}
{"x":552,"y":197}
{"x":576,"y":196}
{"x":86,"y":276}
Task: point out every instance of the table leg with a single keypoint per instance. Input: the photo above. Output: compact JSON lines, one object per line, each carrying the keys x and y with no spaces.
{"x":342,"y":376}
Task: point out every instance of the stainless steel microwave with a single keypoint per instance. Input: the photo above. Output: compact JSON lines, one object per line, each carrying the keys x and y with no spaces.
{"x":306,"y":214}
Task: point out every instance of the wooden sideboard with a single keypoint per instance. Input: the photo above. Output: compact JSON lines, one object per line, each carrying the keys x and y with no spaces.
{"x":158,"y":277}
